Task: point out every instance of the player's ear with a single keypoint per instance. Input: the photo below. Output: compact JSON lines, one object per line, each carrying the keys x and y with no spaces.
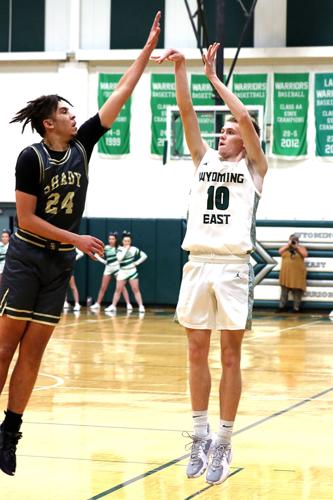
{"x":48,"y":123}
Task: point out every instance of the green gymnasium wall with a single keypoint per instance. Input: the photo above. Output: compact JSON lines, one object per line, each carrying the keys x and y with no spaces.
{"x":159,"y":275}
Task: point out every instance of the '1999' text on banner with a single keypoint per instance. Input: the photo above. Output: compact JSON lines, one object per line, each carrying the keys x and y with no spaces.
{"x":116,"y":141}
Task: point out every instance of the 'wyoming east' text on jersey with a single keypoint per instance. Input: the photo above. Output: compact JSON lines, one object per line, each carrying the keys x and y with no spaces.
{"x":222,"y":208}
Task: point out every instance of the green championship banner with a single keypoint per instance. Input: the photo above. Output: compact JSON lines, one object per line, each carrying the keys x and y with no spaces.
{"x":323,"y":103}
{"x":115,"y":141}
{"x":250,"y":89}
{"x":163,"y":94}
{"x":290,"y":114}
{"x":203,"y":95}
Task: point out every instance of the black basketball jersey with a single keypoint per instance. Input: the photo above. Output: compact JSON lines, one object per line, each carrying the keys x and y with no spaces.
{"x":62,"y":186}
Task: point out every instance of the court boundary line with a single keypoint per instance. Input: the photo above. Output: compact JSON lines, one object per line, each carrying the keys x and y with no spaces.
{"x":179,"y":459}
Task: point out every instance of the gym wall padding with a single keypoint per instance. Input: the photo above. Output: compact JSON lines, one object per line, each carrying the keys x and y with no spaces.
{"x":168,"y":260}
{"x":160,"y":274}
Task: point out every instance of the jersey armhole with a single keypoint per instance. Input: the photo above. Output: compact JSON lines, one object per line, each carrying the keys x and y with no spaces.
{"x":40,"y":162}
{"x":81,"y":148}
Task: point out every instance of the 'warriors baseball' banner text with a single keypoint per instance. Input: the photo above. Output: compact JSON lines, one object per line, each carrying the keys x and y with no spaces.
{"x":290,"y":118}
{"x":116,"y":141}
{"x":323,"y":101}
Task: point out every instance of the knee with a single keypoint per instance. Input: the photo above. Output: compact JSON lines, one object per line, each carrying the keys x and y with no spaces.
{"x":6,"y":354}
{"x":197,"y":354}
{"x":230,"y":358}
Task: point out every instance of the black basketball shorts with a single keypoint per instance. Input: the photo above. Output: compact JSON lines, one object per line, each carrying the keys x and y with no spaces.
{"x":34,"y":282}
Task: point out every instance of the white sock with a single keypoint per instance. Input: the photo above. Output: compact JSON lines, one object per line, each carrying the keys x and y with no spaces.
{"x":225,"y":431}
{"x":200,"y":423}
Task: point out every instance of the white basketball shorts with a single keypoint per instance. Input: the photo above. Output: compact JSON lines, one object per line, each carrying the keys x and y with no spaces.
{"x":215,"y":295}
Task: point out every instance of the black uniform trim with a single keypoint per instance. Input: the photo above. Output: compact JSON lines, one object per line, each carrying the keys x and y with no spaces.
{"x":45,"y":319}
{"x":3,"y":302}
{"x":41,"y":164}
{"x":84,"y":154}
{"x":40,"y":242}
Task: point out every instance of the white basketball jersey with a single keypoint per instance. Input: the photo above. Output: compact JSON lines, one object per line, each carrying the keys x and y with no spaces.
{"x":222,"y":208}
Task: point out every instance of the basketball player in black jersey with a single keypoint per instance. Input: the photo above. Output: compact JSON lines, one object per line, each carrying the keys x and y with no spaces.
{"x":51,"y":185}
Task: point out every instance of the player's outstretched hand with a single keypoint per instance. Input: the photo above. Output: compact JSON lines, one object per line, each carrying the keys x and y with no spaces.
{"x":172,"y":55}
{"x":210,"y":60}
{"x":154,"y":32}
{"x":90,"y":245}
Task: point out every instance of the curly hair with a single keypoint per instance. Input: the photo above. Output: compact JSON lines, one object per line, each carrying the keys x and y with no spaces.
{"x":37,"y":111}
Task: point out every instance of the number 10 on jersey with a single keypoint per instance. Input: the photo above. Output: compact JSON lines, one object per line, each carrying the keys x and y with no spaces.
{"x":217,"y":198}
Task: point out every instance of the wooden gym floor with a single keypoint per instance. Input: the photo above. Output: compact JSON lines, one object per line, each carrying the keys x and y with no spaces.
{"x":111,"y":402}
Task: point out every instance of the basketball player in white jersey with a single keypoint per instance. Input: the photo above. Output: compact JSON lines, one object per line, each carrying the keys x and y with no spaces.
{"x":217,"y":286}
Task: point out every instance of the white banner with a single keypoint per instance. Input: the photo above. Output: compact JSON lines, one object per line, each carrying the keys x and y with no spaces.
{"x":310,"y":234}
{"x":312,"y":294}
{"x":313,"y":264}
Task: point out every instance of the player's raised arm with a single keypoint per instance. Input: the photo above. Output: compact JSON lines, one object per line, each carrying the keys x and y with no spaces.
{"x":111,"y":108}
{"x":249,"y":135}
{"x":189,"y":118}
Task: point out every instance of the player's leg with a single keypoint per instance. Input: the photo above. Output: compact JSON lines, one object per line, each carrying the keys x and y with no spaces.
{"x":22,"y":381}
{"x":200,"y":385}
{"x":196,"y":312}
{"x":233,"y":288}
{"x":199,"y":376}
{"x":231,"y":380}
{"x":134,"y":283}
{"x":23,"y":378}
{"x":33,"y":292}
{"x":230,"y":392}
{"x":11,"y":331}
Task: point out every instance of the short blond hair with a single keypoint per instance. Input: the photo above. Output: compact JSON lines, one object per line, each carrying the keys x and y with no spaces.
{"x":231,"y":118}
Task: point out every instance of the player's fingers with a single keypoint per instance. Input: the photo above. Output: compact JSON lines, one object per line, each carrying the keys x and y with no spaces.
{"x":215,"y":48}
{"x":98,"y":242}
{"x":165,"y":57}
{"x":98,"y":249}
{"x":157,"y":19}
